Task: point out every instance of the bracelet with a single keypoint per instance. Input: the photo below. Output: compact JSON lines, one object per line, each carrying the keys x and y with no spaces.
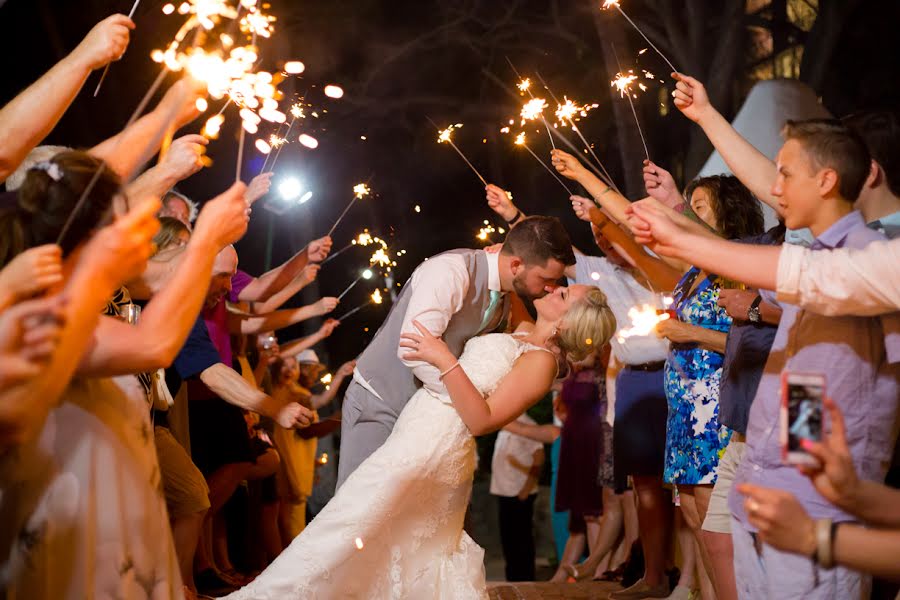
{"x":608,"y":189}
{"x":824,"y":541}
{"x":518,"y":216}
{"x":456,"y":364}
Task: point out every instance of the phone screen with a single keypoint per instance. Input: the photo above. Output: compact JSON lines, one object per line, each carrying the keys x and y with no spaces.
{"x":801,"y":414}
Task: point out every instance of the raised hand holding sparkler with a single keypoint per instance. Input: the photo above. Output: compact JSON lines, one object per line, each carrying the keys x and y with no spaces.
{"x":623,"y":83}
{"x":690,"y":98}
{"x":114,"y":31}
{"x":445,"y":135}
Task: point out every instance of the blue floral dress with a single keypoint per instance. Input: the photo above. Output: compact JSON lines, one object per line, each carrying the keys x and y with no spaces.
{"x":694,"y":438}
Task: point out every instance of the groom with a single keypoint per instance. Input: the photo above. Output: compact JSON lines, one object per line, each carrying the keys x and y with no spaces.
{"x":457,"y":295}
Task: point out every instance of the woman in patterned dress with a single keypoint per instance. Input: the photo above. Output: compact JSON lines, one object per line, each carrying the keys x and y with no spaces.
{"x":694,"y":438}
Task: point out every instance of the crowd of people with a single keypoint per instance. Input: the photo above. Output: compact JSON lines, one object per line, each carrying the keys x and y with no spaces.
{"x":155,"y":431}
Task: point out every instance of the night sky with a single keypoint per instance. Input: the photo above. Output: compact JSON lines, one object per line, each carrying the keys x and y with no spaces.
{"x":400,"y":62}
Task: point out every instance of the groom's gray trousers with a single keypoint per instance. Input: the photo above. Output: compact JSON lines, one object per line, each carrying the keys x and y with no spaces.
{"x":366,"y":423}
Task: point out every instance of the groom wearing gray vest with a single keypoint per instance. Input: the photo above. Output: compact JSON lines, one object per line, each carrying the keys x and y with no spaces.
{"x":456,"y":295}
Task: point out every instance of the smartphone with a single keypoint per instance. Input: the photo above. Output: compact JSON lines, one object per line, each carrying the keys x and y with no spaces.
{"x":801,"y":415}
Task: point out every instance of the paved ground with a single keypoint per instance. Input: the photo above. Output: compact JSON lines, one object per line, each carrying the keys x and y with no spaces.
{"x":550,"y":591}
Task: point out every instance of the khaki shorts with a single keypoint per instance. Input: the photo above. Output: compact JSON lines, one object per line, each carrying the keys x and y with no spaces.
{"x":183,"y":484}
{"x":718,"y":515}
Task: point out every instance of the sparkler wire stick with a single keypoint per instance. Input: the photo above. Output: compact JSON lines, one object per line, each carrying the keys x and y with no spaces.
{"x":354,"y":311}
{"x":240,"y":156}
{"x":334,"y":255}
{"x":608,"y":180}
{"x":142,"y":105}
{"x":278,"y":150}
{"x":340,"y":218}
{"x":461,"y":155}
{"x":349,"y":287}
{"x":633,"y":111}
{"x":106,"y":70}
{"x":638,"y":29}
{"x":549,"y":170}
{"x":528,"y":90}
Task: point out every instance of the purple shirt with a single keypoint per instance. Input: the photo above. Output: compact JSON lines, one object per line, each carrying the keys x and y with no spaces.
{"x":858,"y":356}
{"x":217,"y":317}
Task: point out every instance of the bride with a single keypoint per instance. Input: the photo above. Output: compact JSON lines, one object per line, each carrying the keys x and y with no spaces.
{"x":395,"y":528}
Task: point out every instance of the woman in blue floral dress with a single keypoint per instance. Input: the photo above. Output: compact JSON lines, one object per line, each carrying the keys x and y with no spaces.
{"x":694,"y":438}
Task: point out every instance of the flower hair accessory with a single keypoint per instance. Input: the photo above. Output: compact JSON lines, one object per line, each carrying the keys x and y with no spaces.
{"x":50,"y":168}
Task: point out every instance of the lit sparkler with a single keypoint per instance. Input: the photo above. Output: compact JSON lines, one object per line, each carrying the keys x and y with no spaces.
{"x":533,"y":109}
{"x":524,"y":85}
{"x":446,"y":135}
{"x":359,"y":191}
{"x":609,"y":3}
{"x":374,"y":298}
{"x":622,"y":83}
{"x":520,"y":141}
{"x":643,"y":321}
{"x":326,"y":378}
{"x":366,"y":274}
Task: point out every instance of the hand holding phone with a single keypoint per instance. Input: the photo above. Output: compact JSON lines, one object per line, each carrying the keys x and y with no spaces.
{"x":801,"y":415}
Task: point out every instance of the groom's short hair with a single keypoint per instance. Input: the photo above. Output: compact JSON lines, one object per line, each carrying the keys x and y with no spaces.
{"x":538,"y":239}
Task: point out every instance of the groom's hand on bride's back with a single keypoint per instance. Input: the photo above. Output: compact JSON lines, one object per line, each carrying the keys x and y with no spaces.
{"x":293,"y":415}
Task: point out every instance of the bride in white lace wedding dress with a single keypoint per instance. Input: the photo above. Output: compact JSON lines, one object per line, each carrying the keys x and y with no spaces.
{"x":395,"y":528}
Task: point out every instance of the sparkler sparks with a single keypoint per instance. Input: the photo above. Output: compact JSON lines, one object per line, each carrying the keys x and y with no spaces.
{"x":376,"y":297}
{"x":380,"y":258}
{"x":520,"y":141}
{"x":643,"y":321}
{"x":446,"y":135}
{"x":524,"y":85}
{"x":615,"y":3}
{"x":533,"y":109}
{"x":361,"y":189}
{"x":326,"y":379}
{"x":622,"y":83}
{"x":297,"y":111}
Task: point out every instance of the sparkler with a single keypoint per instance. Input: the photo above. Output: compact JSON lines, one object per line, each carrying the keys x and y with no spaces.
{"x":374,"y":298}
{"x":106,"y":69}
{"x":623,"y":83}
{"x":484,"y":234}
{"x":524,"y":86}
{"x":643,"y":321}
{"x":367,"y":274}
{"x":520,"y":141}
{"x":608,"y":3}
{"x":359,"y":190}
{"x":445,"y":135}
{"x":296,"y":113}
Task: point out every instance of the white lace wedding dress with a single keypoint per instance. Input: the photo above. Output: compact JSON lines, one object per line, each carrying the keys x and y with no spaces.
{"x":395,"y":528}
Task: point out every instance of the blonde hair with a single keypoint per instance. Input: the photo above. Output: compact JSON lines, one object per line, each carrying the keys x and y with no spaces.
{"x":586,"y":326}
{"x":169,"y":234}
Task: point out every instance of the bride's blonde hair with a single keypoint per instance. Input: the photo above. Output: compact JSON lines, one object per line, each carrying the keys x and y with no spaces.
{"x":586,"y":326}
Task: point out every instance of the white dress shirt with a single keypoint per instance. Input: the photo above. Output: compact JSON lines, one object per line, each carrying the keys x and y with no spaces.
{"x":622,"y":293}
{"x":845,"y":281}
{"x":506,"y":479}
{"x":439,"y":287}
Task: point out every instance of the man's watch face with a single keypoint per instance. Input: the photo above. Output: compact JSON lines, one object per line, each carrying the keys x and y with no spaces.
{"x":753,"y":314}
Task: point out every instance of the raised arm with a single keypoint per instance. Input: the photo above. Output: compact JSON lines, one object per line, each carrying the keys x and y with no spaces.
{"x":752,"y":167}
{"x":606,"y":197}
{"x":661,"y":275}
{"x":273,"y":321}
{"x":546,"y":434}
{"x":31,"y":115}
{"x":327,"y":397}
{"x":295,"y":347}
{"x":307,"y":276}
{"x":167,"y":319}
{"x":183,"y":159}
{"x":114,"y":254}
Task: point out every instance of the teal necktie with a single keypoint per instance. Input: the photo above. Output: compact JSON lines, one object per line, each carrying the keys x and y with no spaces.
{"x":492,"y":306}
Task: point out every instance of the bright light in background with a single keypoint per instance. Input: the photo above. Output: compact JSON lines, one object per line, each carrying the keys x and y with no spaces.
{"x":294,"y":67}
{"x":291,"y":188}
{"x":333,"y":91}
{"x":308,"y":141}
{"x":305,"y":197}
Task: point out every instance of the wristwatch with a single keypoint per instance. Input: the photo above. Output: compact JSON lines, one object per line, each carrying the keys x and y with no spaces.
{"x":516,"y":218}
{"x":753,"y":312}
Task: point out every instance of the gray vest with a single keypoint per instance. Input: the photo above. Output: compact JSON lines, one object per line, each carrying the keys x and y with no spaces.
{"x":379,"y":365}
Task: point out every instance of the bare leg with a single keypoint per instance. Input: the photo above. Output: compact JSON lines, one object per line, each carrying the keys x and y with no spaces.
{"x":610,"y":527}
{"x":721,"y":554}
{"x":271,"y":534}
{"x":220,"y":543}
{"x":654,"y":525}
{"x":186,"y":536}
{"x":690,"y":509}
{"x":629,"y":511}
{"x":685,"y":538}
{"x":573,"y":551}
